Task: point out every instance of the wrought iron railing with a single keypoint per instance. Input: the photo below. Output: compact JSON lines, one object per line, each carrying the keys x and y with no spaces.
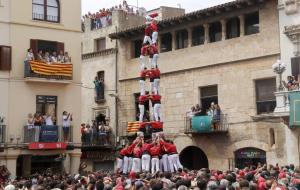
{"x":47,"y":133}
{"x":96,"y":139}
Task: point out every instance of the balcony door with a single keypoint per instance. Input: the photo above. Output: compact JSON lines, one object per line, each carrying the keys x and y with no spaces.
{"x":47,"y":105}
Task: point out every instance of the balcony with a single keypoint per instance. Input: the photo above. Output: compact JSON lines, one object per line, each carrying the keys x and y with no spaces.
{"x":47,"y":134}
{"x":288,"y":107}
{"x":96,"y":141}
{"x":44,"y":72}
{"x":204,"y":125}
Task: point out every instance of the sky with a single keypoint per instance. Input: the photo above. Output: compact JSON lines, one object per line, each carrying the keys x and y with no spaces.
{"x":188,"y":5}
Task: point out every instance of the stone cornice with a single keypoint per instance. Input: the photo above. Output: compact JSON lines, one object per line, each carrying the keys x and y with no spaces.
{"x":293,"y":32}
{"x":99,"y":53}
{"x":290,"y":6}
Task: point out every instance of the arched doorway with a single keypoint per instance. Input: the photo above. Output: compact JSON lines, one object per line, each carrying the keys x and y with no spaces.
{"x":193,"y":158}
{"x":249,"y":156}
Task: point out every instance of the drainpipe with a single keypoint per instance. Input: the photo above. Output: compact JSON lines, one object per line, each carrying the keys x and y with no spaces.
{"x":116,"y":91}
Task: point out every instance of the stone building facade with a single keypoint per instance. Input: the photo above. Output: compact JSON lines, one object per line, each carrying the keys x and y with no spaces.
{"x":226,"y":52}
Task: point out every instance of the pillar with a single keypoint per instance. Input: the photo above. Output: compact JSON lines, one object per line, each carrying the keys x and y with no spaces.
{"x":190,"y":37}
{"x":242,"y":25}
{"x":206,"y":33}
{"x":74,"y":162}
{"x":173,"y":40}
{"x":66,"y":163}
{"x":223,"y":23}
{"x":159,"y":43}
{"x":11,"y":164}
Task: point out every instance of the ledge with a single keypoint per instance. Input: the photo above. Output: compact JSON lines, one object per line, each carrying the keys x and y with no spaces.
{"x":99,"y":53}
{"x":34,"y":79}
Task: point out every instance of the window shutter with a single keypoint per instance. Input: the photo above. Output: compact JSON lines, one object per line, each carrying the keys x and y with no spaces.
{"x":34,"y":46}
{"x":295,"y":67}
{"x":5,"y":58}
{"x":60,"y":47}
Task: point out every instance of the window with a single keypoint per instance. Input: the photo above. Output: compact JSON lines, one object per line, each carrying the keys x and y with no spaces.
{"x":272,"y":137}
{"x":233,"y":28}
{"x":198,"y":36}
{"x":166,"y":42}
{"x":137,"y":48}
{"x":47,"y":10}
{"x":5,"y":58}
{"x":208,"y":95}
{"x":100,"y":44}
{"x":137,"y":110}
{"x":215,"y":32}
{"x":100,"y":87}
{"x":252,"y":23}
{"x":47,"y":105}
{"x":46,"y":46}
{"x":265,"y":98}
{"x":296,"y":67}
{"x":181,"y":39}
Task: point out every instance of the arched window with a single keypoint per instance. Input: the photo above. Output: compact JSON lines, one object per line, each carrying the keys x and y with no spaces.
{"x":47,"y":10}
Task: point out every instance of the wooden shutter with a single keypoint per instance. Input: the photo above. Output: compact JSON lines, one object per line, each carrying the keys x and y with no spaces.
{"x":295,"y":67}
{"x":60,"y":47}
{"x":34,"y":46}
{"x":5,"y":58}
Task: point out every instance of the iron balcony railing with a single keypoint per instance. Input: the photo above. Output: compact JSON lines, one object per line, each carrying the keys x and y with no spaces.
{"x":47,"y":133}
{"x":2,"y":134}
{"x":206,"y":124}
{"x":96,"y":139}
{"x":29,"y":73}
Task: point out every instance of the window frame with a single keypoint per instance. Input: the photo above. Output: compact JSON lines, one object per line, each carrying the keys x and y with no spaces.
{"x":98,"y":44}
{"x":181,"y":41}
{"x":202,"y":98}
{"x":45,"y":5}
{"x":268,"y":101}
{"x":247,"y":26}
{"x":6,"y":60}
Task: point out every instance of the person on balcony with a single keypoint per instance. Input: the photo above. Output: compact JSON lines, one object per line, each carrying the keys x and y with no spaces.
{"x":67,"y":118}
{"x":99,"y":87}
{"x":291,"y":84}
{"x":191,"y":112}
{"x":210,"y":111}
{"x":216,"y":116}
{"x":102,"y":134}
{"x":67,"y":58}
{"x":82,"y":131}
{"x":47,"y":57}
{"x":30,"y":55}
{"x":53,"y":57}
{"x":48,"y":118}
{"x":30,"y":127}
{"x":38,"y":121}
{"x":108,"y":131}
{"x":88,"y":135}
{"x":39,"y":57}
{"x":61,"y":57}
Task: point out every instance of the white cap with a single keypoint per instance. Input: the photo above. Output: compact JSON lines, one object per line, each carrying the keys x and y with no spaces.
{"x":9,"y":187}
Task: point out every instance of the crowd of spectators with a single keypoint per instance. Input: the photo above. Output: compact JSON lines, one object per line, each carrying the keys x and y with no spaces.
{"x":291,"y":84}
{"x":46,"y":57}
{"x":96,"y":135}
{"x":214,"y":111}
{"x":249,"y":178}
{"x":103,"y":17}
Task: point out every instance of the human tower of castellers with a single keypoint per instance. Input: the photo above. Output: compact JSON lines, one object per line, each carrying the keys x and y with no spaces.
{"x":150,"y":151}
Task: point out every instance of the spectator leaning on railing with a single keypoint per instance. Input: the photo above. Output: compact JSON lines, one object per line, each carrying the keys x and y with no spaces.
{"x":291,"y":84}
{"x":47,"y":58}
{"x":66,"y":120}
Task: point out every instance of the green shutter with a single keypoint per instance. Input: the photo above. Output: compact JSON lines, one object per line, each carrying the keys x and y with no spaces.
{"x":294,"y":109}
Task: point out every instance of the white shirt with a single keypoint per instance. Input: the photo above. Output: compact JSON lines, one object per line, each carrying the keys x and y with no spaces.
{"x":29,"y":56}
{"x":53,"y":59}
{"x":66,"y":121}
{"x":48,"y":120}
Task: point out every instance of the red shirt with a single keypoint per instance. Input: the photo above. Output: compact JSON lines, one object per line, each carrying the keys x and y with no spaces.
{"x":137,"y":153}
{"x":144,"y":50}
{"x":152,"y":74}
{"x":153,"y":27}
{"x":146,"y":147}
{"x":155,"y":99}
{"x":143,"y":74}
{"x":123,"y":152}
{"x":156,"y":73}
{"x":130,"y":148}
{"x":155,"y":150}
{"x":157,"y":125}
{"x":170,"y":148}
{"x":148,"y":30}
{"x":153,"y":50}
{"x":143,"y":99}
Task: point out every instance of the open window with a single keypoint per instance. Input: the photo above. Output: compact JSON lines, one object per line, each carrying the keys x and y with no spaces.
{"x":181,"y":39}
{"x":296,"y":67}
{"x":198,"y":36}
{"x":208,"y":94}
{"x":215,"y":32}
{"x":166,"y":42}
{"x":137,"y":45}
{"x":47,"y":105}
{"x":233,"y":28}
{"x":46,"y":10}
{"x":46,"y":46}
{"x":265,"y":98}
{"x":252,"y":23}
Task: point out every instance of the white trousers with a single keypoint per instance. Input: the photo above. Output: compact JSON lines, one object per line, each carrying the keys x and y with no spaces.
{"x":130,"y":162}
{"x":142,"y":62}
{"x":156,"y":84}
{"x":119,"y":164}
{"x":171,"y":163}
{"x":136,"y":165}
{"x":142,"y":86}
{"x":177,"y":161}
{"x":154,"y":37}
{"x":174,"y":162}
{"x":157,"y":112}
{"x":148,"y":39}
{"x":152,"y":87}
{"x":142,"y":110}
{"x":125,"y":165}
{"x":165,"y":163}
{"x":154,"y":61}
{"x":154,"y":165}
{"x":146,"y":161}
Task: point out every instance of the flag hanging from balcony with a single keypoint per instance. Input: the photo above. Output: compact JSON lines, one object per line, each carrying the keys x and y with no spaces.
{"x":56,"y":69}
{"x":294,"y":109}
{"x":133,"y":127}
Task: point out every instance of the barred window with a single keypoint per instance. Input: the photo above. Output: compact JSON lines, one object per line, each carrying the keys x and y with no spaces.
{"x":46,"y":10}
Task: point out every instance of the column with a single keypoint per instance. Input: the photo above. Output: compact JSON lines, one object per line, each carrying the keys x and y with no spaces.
{"x":206,"y":33}
{"x":66,"y":163}
{"x":159,"y":43}
{"x":11,"y":164}
{"x":242,"y":25}
{"x":223,"y":23}
{"x":173,"y":40}
{"x":75,"y":162}
{"x":190,"y":37}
